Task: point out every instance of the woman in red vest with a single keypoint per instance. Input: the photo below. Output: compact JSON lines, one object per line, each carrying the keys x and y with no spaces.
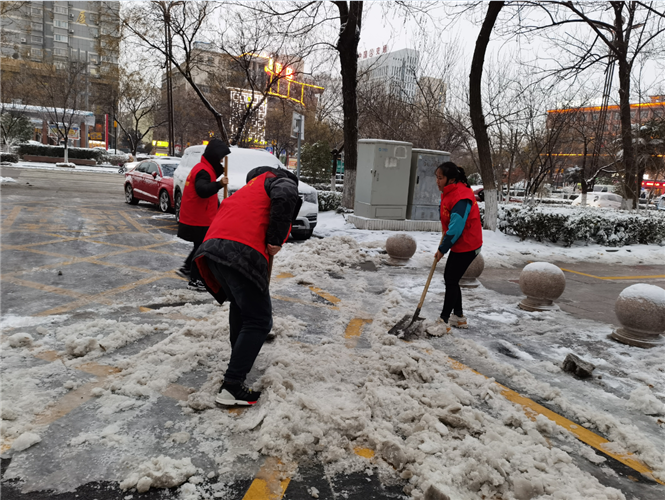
{"x":199,"y":204}
{"x":250,"y":227}
{"x":463,"y":236}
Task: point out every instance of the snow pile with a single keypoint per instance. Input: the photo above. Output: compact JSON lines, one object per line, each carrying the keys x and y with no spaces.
{"x":20,"y":340}
{"x":322,"y":256}
{"x":160,"y":472}
{"x":25,"y":441}
{"x":6,"y":180}
{"x":643,"y":400}
{"x":80,"y":347}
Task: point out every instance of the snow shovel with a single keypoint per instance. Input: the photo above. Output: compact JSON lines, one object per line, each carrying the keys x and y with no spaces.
{"x":411,"y":326}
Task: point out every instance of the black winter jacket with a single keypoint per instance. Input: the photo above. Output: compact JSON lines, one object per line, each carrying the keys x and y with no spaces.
{"x":284,"y":207}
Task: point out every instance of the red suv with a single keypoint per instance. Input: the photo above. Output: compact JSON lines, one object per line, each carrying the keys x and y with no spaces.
{"x":151,"y":181}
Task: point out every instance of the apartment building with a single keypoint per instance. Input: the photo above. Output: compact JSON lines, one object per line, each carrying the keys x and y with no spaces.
{"x":396,"y":71}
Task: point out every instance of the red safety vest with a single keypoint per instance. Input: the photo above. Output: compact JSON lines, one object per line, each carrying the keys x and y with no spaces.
{"x":472,"y":235}
{"x":245,"y":216}
{"x":194,"y":210}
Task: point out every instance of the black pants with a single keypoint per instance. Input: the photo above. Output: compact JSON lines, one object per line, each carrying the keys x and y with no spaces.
{"x":250,"y":319}
{"x":456,"y":266}
{"x":194,"y":273}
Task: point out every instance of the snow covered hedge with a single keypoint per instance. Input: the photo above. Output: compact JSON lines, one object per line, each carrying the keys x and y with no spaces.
{"x":568,"y":225}
{"x":329,"y":200}
{"x":8,"y":157}
{"x":59,"y":152}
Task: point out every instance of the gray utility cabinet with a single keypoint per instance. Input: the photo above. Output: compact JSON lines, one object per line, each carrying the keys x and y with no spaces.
{"x":382,"y":179}
{"x":424,"y":194}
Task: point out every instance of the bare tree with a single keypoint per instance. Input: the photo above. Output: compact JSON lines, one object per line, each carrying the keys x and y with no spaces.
{"x":621,"y":32}
{"x":62,"y":89}
{"x":478,"y":118}
{"x":139,"y":108}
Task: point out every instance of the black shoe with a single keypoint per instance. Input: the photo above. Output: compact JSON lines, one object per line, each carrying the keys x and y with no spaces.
{"x":236,"y":394}
{"x":184,"y":272}
{"x":196,"y":285}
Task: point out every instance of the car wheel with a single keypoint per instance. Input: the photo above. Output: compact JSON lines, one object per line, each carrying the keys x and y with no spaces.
{"x":129,"y":195}
{"x":304,"y":235}
{"x":164,"y":201}
{"x":178,"y":200}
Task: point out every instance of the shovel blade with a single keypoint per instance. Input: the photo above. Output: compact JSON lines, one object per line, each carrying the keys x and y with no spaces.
{"x":401,"y":325}
{"x":414,"y":330}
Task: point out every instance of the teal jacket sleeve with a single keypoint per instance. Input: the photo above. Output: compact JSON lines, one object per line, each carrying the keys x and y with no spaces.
{"x":457,"y":222}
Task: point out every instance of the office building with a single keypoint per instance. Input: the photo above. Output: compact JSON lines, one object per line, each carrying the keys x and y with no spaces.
{"x":396,"y":71}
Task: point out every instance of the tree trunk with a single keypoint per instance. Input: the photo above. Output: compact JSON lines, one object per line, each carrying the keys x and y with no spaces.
{"x":584,"y":185}
{"x":347,"y":46}
{"x":66,"y":150}
{"x":478,"y":118}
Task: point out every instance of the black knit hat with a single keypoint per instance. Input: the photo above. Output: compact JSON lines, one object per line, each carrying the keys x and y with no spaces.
{"x":215,"y":151}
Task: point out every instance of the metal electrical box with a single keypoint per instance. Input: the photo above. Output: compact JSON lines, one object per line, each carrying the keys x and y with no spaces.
{"x":382,"y":179}
{"x":424,"y":194}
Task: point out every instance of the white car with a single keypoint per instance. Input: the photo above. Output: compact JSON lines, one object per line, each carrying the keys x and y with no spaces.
{"x":661,"y":203}
{"x":241,"y":161}
{"x":600,"y":200}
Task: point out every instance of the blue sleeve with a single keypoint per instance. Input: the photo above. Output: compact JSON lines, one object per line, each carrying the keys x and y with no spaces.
{"x":457,"y":222}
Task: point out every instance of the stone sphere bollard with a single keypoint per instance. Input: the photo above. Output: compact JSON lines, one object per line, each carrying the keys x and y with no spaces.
{"x":400,"y":248}
{"x":542,"y":283}
{"x":640,"y":309}
{"x":470,"y":278}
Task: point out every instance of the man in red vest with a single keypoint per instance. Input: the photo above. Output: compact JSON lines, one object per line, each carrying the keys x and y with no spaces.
{"x":199,"y":204}
{"x":250,"y":227}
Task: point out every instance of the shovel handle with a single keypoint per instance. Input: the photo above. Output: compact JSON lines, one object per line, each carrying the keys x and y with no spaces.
{"x":429,"y":280}
{"x":269,"y":267}
{"x":226,"y":174}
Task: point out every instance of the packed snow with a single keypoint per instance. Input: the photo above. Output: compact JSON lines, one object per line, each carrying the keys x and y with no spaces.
{"x":6,"y":180}
{"x":432,"y":425}
{"x":643,"y":291}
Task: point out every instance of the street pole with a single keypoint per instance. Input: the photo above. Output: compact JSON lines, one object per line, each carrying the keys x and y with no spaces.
{"x":299,"y":120}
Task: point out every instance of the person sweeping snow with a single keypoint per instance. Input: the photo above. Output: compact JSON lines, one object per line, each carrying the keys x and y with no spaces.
{"x":234,"y":261}
{"x":199,"y":205}
{"x":463,"y":236}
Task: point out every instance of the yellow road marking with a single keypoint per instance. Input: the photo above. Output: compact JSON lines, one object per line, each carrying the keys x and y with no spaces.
{"x":531,"y":409}
{"x":282,"y":276}
{"x":269,"y":483}
{"x":177,"y":391}
{"x":353,"y":331}
{"x":330,"y":298}
{"x":9,"y":220}
{"x":138,"y":226}
{"x":646,"y":277}
{"x":364,"y":452}
{"x":300,"y":301}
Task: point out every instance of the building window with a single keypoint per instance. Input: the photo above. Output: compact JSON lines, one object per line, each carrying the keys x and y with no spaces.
{"x":94,"y":71}
{"x":60,"y":52}
{"x":60,"y":65}
{"x":37,"y":26}
{"x":92,"y":18}
{"x":60,"y":10}
{"x":61,"y":38}
{"x":36,"y":12}
{"x":37,"y":39}
{"x":94,"y":32}
{"x":36,"y":53}
{"x":94,"y":58}
{"x":60,"y":24}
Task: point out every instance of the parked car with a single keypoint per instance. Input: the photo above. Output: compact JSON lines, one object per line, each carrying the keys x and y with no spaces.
{"x":241,"y":161}
{"x":152,"y":180}
{"x":661,"y":203}
{"x":600,"y":200}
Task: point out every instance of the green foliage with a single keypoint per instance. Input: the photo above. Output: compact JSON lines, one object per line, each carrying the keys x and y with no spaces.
{"x":15,"y":128}
{"x":316,"y":162}
{"x":59,"y":152}
{"x":570,"y":225}
{"x":475,"y":179}
{"x":8,"y":157}
{"x":329,"y":200}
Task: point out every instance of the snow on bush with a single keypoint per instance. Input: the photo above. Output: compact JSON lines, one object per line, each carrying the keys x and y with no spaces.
{"x":568,"y":225}
{"x":160,"y":472}
{"x":25,"y":441}
{"x":329,"y":200}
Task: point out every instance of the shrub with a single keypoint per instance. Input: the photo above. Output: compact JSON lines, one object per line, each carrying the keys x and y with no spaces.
{"x":113,"y":159}
{"x":59,"y":152}
{"x":8,"y":157}
{"x":329,"y":200}
{"x":316,"y":162}
{"x":569,"y":225}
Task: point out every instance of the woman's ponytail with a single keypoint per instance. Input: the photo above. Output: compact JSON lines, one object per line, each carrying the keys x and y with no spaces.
{"x":452,"y":171}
